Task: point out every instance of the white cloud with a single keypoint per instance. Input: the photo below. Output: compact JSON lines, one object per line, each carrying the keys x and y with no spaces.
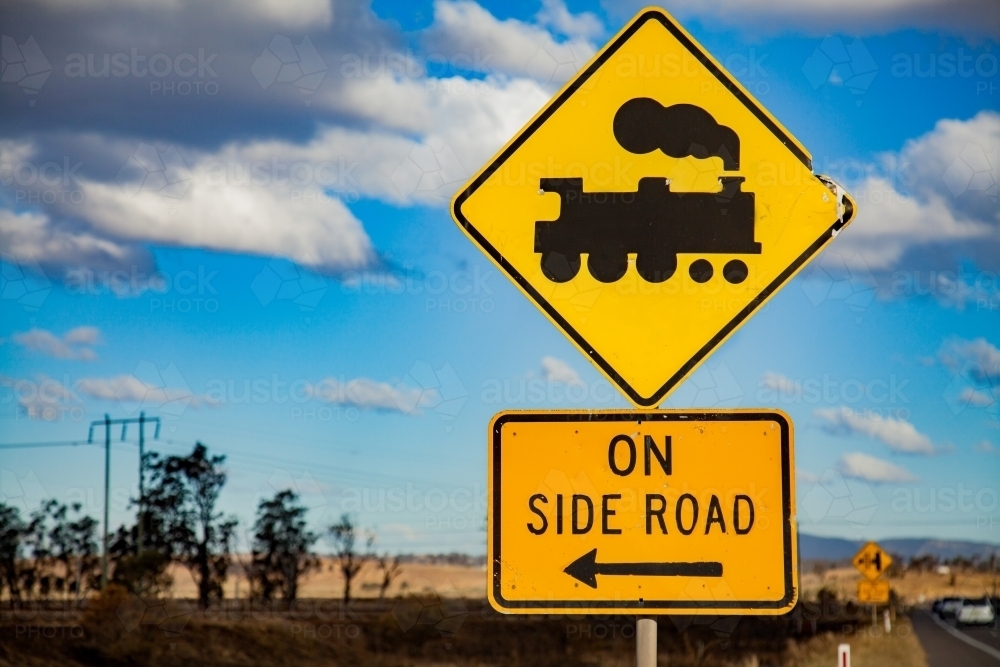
{"x":986,"y":447}
{"x":804,"y":476}
{"x":947,"y":204}
{"x":555,"y":16}
{"x":979,"y":357}
{"x":372,"y":395}
{"x":474,"y":117}
{"x":889,"y":224}
{"x":464,"y":32}
{"x":781,"y":384}
{"x":74,"y":344}
{"x":283,"y":13}
{"x":871,"y":469}
{"x":416,"y":139}
{"x":217,"y":213}
{"x":13,"y":152}
{"x":43,"y":398}
{"x":963,"y":17}
{"x":557,"y":370}
{"x":459,"y":123}
{"x":83,"y":336}
{"x":131,"y":389}
{"x":35,"y":236}
{"x":899,"y":434}
{"x":975,"y":398}
{"x":278,"y":198}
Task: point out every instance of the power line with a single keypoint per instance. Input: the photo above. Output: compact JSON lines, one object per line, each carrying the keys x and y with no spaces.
{"x":33,"y":445}
{"x":339,"y":474}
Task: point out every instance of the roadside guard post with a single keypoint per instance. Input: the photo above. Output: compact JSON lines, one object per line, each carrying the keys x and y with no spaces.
{"x":648,"y":210}
{"x":844,"y":655}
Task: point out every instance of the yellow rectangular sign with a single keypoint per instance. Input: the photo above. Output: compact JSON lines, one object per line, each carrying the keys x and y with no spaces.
{"x":873,"y":592}
{"x":665,"y":512}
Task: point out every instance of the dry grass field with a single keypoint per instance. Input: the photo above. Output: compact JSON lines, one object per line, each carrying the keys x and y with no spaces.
{"x":911,"y":587}
{"x":419,"y":578}
{"x":465,"y":581}
{"x":900,"y":648}
{"x":435,"y":615}
{"x":117,"y":630}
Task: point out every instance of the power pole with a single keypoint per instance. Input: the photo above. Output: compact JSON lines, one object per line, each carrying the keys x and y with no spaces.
{"x":107,"y":422}
{"x":140,"y":541}
{"x":107,"y":497}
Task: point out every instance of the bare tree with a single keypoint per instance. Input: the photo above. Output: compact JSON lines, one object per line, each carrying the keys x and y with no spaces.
{"x":350,"y":561}
{"x":389,"y":568}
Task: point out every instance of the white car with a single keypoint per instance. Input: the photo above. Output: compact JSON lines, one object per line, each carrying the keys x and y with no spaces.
{"x":975,"y":612}
{"x":949,"y":607}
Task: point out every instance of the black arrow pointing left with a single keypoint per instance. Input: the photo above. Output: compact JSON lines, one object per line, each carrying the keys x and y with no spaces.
{"x":586,"y":568}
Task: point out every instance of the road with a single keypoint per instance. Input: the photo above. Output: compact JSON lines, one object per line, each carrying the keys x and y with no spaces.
{"x":946,"y":648}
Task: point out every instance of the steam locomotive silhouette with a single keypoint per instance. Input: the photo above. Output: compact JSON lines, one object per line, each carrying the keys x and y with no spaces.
{"x":653,"y":222}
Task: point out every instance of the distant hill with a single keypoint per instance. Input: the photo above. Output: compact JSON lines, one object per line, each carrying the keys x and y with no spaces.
{"x":813,"y":547}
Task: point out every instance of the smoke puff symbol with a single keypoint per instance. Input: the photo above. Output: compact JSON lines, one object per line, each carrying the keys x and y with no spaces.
{"x":642,"y":125}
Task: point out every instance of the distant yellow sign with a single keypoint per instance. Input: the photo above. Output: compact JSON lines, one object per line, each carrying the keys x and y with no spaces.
{"x":663,"y":512}
{"x":873,"y":592}
{"x":872,"y":561}
{"x":651,"y":207}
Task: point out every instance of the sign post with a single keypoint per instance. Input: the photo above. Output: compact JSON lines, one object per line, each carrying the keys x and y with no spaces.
{"x":645,"y":641}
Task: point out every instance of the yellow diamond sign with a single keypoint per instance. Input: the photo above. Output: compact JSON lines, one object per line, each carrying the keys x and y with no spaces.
{"x":872,"y":561}
{"x":651,"y":207}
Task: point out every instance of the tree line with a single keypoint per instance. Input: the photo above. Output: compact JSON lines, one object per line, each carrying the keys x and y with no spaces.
{"x":55,"y":550}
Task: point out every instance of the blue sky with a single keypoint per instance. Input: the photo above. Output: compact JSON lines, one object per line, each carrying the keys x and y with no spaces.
{"x":263,"y":256}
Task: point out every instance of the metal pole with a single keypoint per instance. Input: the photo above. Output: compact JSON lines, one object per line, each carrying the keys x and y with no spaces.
{"x":645,"y":642}
{"x":142,"y":496}
{"x":107,"y":496}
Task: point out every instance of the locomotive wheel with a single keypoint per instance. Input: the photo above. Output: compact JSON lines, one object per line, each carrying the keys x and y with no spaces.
{"x":701,"y":270}
{"x":560,"y":268}
{"x":655,"y":268}
{"x":735,"y":271}
{"x":608,"y":268}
